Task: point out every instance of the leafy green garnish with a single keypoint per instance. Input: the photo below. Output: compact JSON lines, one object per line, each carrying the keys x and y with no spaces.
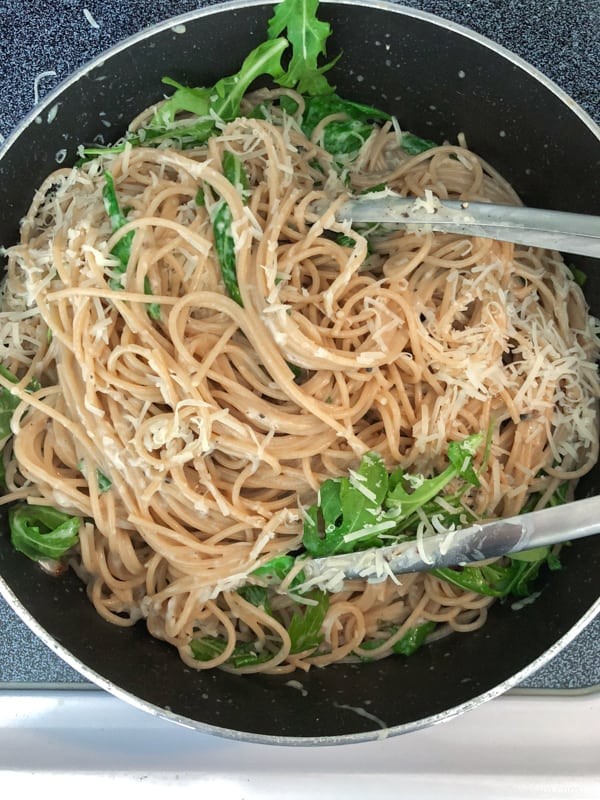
{"x":304,"y":627}
{"x":297,"y":20}
{"x":257,"y":595}
{"x":104,"y":483}
{"x":577,"y":274}
{"x":356,"y":512}
{"x":9,"y":401}
{"x":221,"y":101}
{"x":122,"y":249}
{"x":414,"y":638}
{"x":42,"y":531}
{"x":275,"y":570}
{"x":153,"y":309}
{"x":517,"y":577}
{"x":244,"y":654}
{"x":234,"y":171}
{"x":225,"y":248}
{"x":413,"y":145}
{"x":341,"y":137}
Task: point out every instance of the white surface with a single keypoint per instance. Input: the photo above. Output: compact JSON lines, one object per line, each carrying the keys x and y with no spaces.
{"x":87,"y":741}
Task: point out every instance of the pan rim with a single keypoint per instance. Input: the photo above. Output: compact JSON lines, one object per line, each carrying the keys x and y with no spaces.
{"x":134,"y":700}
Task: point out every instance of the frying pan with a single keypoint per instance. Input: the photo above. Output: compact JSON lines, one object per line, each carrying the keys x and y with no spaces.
{"x":439,"y":79}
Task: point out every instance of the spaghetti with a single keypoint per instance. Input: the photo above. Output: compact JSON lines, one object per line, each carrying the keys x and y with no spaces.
{"x":214,"y":423}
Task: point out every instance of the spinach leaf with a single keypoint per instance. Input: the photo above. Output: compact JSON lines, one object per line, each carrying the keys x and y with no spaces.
{"x":304,"y":628}
{"x":297,"y":19}
{"x":42,"y":531}
{"x":413,"y":145}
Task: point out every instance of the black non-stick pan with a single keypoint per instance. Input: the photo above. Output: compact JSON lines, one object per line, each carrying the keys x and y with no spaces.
{"x":439,"y":80}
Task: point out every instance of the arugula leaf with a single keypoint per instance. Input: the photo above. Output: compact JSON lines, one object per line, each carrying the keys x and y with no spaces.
{"x":346,"y":506}
{"x":243,"y":655}
{"x":234,"y":171}
{"x":517,"y":577}
{"x":414,"y":638}
{"x":257,"y":595}
{"x":275,"y":570}
{"x":9,"y":401}
{"x":353,"y":513}
{"x":408,"y":497}
{"x":317,"y":108}
{"x":153,"y":309}
{"x":122,"y":249}
{"x":104,"y":483}
{"x":413,"y":145}
{"x":225,"y":247}
{"x":42,"y":531}
{"x":348,"y":241}
{"x":222,"y":100}
{"x":308,"y":37}
{"x":577,"y":274}
{"x":304,"y":628}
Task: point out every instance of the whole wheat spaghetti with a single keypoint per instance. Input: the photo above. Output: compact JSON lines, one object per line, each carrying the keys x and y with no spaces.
{"x":214,"y":423}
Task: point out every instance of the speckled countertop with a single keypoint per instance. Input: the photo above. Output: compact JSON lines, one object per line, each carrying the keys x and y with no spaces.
{"x":559,"y":38}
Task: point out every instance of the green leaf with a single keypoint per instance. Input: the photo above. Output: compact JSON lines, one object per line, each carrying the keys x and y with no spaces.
{"x":304,"y":628}
{"x":153,"y":309}
{"x":348,"y":506}
{"x":244,"y":654}
{"x":414,"y":638}
{"x":233,"y":170}
{"x":9,"y":401}
{"x":257,"y":595}
{"x":348,"y":241}
{"x":407,"y":495}
{"x":317,"y":108}
{"x":200,"y":199}
{"x":207,"y":648}
{"x":225,"y":247}
{"x":577,"y":274}
{"x":42,"y":532}
{"x":104,"y":483}
{"x":297,"y":19}
{"x":275,"y":570}
{"x":122,"y":249}
{"x":413,"y":145}
{"x":221,"y":100}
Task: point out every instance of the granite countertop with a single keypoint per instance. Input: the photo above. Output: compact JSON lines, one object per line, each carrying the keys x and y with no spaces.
{"x":559,"y":38}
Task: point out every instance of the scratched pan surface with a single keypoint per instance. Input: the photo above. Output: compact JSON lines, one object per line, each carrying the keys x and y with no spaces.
{"x":439,"y":80}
